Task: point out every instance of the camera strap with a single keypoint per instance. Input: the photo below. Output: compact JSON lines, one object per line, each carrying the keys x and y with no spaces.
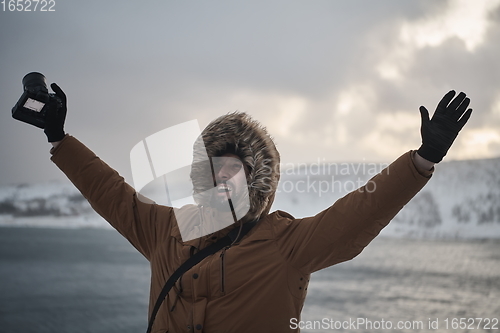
{"x":195,"y":259}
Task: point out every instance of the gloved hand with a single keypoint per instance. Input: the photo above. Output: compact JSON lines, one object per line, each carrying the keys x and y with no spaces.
{"x":439,"y":132}
{"x":56,"y":114}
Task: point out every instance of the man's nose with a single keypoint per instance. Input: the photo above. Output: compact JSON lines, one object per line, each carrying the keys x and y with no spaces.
{"x":223,"y":173}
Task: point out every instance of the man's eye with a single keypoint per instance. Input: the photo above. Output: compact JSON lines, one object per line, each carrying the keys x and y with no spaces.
{"x":237,"y":166}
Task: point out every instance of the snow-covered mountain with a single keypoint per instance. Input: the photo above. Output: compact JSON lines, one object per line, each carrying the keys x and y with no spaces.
{"x":52,"y":204}
{"x":462,"y":200}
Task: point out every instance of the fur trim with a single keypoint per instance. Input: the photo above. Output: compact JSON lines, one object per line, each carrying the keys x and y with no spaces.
{"x":239,"y":134}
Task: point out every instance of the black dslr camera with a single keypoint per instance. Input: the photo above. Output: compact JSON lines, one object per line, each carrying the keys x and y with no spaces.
{"x":35,"y":101}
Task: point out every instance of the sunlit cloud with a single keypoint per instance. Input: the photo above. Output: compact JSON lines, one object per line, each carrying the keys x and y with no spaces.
{"x":280,"y":113}
{"x":289,"y":110}
{"x":477,"y":143}
{"x":465,"y":20}
{"x":462,"y":19}
{"x":393,"y":133}
{"x":495,"y":109}
{"x":355,"y":99}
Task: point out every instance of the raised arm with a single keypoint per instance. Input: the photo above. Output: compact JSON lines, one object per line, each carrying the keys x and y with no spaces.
{"x":135,"y":217}
{"x":138,"y":219}
{"x":340,"y":232}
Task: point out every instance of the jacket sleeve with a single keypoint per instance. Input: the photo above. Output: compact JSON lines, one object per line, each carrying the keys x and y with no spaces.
{"x":340,"y":232}
{"x":137,"y":218}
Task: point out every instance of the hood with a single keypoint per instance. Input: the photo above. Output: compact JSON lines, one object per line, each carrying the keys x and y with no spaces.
{"x":237,"y":133}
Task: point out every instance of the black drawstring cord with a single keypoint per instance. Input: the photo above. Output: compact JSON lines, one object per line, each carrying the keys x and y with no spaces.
{"x":237,"y":236}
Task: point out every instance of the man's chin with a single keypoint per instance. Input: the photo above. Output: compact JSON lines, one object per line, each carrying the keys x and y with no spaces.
{"x":221,"y":202}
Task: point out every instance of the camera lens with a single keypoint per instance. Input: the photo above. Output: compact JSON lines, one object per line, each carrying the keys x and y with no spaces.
{"x":35,"y":82}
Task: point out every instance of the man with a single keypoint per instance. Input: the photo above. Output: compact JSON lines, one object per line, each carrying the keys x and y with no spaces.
{"x":259,"y":283}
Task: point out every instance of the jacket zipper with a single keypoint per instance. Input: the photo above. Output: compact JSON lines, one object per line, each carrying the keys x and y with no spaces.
{"x":222,"y":274}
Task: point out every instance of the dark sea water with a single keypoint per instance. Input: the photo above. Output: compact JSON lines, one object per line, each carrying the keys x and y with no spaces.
{"x":92,"y":280}
{"x":71,"y":280}
{"x":409,"y":281}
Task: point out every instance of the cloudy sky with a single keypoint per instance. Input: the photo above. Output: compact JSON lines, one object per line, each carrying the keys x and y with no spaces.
{"x":331,"y":80}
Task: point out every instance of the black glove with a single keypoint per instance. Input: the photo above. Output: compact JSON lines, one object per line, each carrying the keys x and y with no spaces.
{"x":56,"y":114}
{"x":439,"y":132}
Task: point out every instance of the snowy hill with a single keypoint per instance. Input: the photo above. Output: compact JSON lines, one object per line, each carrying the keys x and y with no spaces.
{"x":462,"y":200}
{"x":46,"y":205}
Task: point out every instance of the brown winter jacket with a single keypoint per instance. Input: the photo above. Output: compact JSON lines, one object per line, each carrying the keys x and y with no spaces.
{"x":258,"y":285}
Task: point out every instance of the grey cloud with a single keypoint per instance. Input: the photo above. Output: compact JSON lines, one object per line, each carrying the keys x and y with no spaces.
{"x":133,"y":68}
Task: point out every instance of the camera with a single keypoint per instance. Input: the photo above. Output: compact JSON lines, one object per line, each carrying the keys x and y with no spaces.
{"x":35,"y":101}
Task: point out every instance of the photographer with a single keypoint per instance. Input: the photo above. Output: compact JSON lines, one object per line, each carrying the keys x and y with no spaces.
{"x":257,"y":283}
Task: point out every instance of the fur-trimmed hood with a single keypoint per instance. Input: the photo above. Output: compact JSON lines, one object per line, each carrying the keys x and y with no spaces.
{"x":237,"y":133}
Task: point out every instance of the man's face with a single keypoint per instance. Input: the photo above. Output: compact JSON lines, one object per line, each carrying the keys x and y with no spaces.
{"x":230,"y":180}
